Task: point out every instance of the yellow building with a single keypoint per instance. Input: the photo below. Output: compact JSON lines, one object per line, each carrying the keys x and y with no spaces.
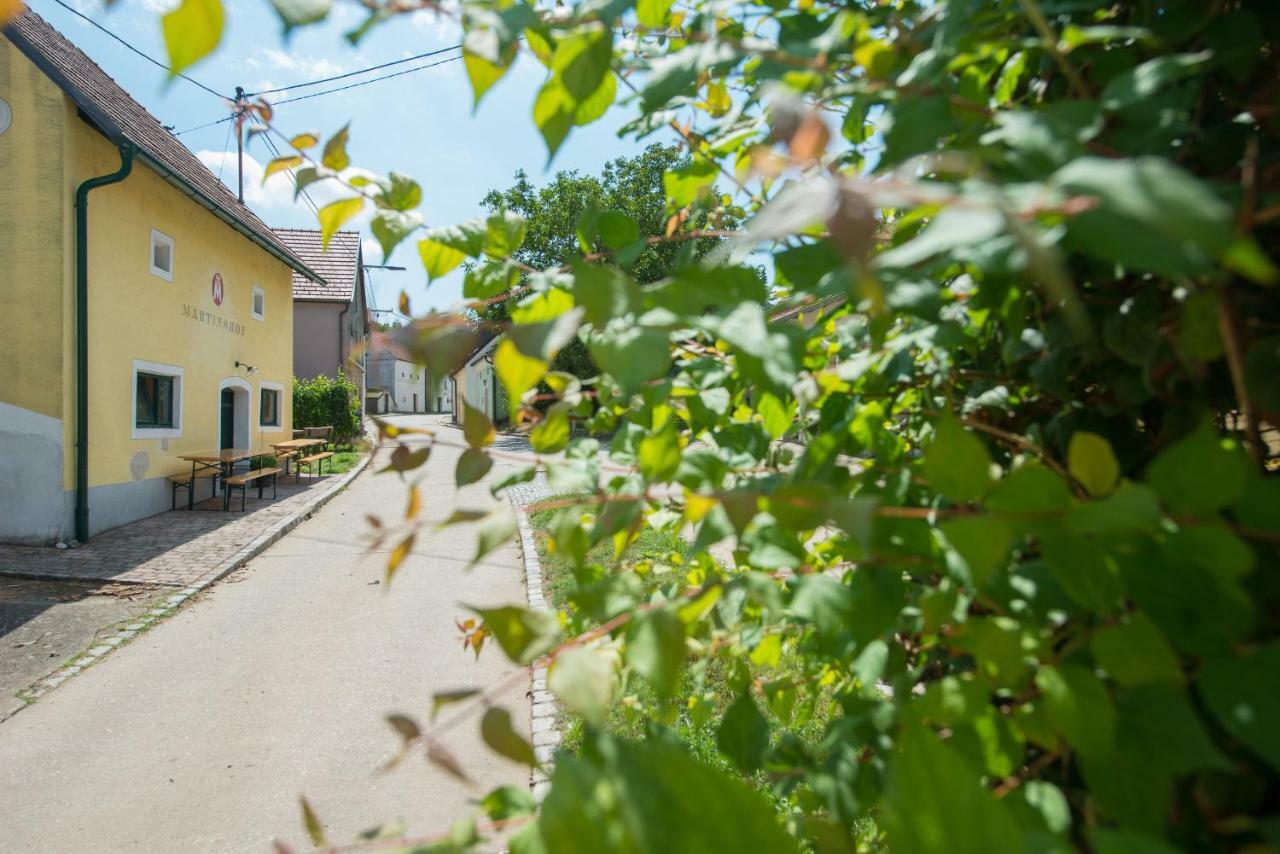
{"x":145,"y":313}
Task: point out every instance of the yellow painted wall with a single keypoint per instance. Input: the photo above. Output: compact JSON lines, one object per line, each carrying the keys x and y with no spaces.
{"x":137,"y":315}
{"x":33,"y":238}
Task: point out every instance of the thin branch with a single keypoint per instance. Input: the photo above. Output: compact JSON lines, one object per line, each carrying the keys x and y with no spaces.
{"x":1032,"y":10}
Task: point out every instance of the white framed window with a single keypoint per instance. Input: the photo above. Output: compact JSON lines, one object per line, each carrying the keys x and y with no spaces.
{"x":270,"y":404}
{"x":161,"y":255}
{"x":259,"y":303}
{"x":156,"y":412}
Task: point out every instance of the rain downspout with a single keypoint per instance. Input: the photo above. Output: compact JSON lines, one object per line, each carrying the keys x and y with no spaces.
{"x":82,"y":333}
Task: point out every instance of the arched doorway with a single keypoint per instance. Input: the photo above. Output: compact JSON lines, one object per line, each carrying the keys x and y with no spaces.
{"x":233,"y":413}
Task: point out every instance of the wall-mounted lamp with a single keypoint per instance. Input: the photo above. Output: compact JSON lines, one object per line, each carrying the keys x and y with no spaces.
{"x":250,"y":368}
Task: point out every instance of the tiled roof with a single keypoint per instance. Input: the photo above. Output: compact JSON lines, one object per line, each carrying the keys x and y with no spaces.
{"x":381,"y":342}
{"x":124,"y":120}
{"x":339,"y":264}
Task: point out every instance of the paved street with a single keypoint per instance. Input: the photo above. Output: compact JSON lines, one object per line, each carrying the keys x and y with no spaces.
{"x":201,"y":734}
{"x":180,"y":548}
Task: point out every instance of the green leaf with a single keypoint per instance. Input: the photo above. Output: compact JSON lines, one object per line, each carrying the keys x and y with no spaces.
{"x":490,"y":280}
{"x":518,"y":372}
{"x":504,"y":234}
{"x":982,"y":543}
{"x":299,"y":13}
{"x":653,"y":796}
{"x":502,"y":738}
{"x":472,"y":466}
{"x":495,"y":529}
{"x":653,"y":13}
{"x":392,"y":227}
{"x":1031,"y":491}
{"x":632,"y":355}
{"x":334,"y":214}
{"x":1131,"y":508}
{"x":551,"y":434}
{"x":191,"y":32}
{"x":1243,"y":692}
{"x":774,"y":414}
{"x":523,"y":634}
{"x":1135,"y":652}
{"x":743,"y":735}
{"x":1142,"y":82}
{"x":481,"y":71}
{"x":581,"y":60}
{"x":553,"y":113}
{"x":655,"y":649}
{"x":477,"y":429}
{"x":438,"y":259}
{"x":658,"y":454}
{"x":335,"y":150}
{"x":935,"y":801}
{"x":1084,"y":570}
{"x":507,"y":802}
{"x":1200,"y":473}
{"x":315,"y":829}
{"x":585,"y":679}
{"x":957,"y":463}
{"x":1092,"y":462}
{"x":1151,"y":215}
{"x":1261,"y":370}
{"x":684,"y":185}
{"x":1079,"y":708}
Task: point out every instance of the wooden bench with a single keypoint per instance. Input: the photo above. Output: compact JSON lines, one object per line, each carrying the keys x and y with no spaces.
{"x":316,"y":460}
{"x":183,"y":481}
{"x":325,"y":433}
{"x":242,"y":481}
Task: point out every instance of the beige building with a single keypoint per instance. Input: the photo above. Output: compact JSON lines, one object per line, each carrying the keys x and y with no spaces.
{"x":146,"y":313}
{"x":330,"y":318}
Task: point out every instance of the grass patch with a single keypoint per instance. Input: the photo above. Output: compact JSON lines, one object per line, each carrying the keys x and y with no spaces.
{"x":344,"y":461}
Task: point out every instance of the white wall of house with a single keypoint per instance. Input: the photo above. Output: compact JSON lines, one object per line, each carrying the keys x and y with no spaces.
{"x":411,"y":387}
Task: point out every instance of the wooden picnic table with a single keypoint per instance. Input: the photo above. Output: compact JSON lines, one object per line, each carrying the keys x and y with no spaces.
{"x":224,"y":460}
{"x":290,"y":448}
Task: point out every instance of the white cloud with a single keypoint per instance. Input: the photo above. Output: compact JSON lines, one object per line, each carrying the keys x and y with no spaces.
{"x":307,"y":67}
{"x":372,"y":250}
{"x":442,"y":24}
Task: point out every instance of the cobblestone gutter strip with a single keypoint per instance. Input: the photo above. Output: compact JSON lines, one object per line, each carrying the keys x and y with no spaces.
{"x":542,"y":713}
{"x":172,"y":603}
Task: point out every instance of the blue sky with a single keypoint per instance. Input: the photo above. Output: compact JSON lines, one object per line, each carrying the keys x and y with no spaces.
{"x":421,"y":124}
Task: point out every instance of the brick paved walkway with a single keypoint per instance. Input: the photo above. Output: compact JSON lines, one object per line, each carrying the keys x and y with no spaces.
{"x":177,"y":549}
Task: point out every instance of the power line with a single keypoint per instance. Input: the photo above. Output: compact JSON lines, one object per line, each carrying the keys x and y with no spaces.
{"x":223,"y":158}
{"x":266,"y":137}
{"x":367,"y":82}
{"x":202,"y":127}
{"x":154,"y":62}
{"x":354,"y":73}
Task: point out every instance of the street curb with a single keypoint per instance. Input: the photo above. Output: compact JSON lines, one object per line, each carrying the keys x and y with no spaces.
{"x":171,"y":605}
{"x":543,"y":727}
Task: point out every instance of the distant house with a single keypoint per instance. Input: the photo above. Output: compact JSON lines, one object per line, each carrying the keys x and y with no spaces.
{"x":476,"y":383}
{"x":397,"y":383}
{"x":146,"y":313}
{"x":330,"y":318}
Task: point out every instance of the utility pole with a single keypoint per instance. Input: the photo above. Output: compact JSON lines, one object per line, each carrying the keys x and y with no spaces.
{"x":240,"y":139}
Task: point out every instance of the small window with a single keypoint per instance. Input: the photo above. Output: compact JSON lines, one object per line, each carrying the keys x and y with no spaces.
{"x":269,"y":408}
{"x":161,"y":255}
{"x":259,"y":303}
{"x":154,"y":402}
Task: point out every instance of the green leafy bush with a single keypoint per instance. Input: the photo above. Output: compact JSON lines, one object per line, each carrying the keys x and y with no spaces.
{"x":1021,"y":339}
{"x":327,"y":402}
